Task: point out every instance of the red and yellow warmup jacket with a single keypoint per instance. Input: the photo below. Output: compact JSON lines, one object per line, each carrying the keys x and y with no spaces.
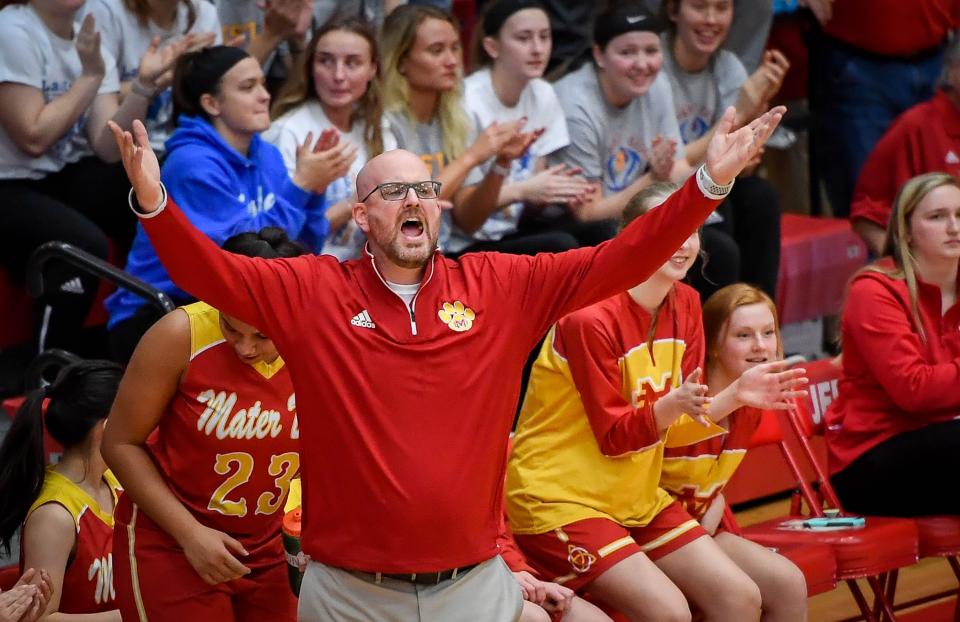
{"x":587,"y":445}
{"x":404,"y":410}
{"x":695,"y":474}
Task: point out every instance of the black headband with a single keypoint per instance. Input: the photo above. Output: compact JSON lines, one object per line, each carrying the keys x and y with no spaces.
{"x":501,"y":10}
{"x":209,"y":66}
{"x":625,"y":19}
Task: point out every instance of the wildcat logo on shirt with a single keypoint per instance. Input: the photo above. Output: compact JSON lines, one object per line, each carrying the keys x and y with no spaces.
{"x":456,"y":316}
{"x":649,"y":378}
{"x":624,"y":166}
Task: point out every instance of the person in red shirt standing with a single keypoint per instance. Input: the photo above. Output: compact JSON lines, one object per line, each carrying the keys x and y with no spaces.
{"x":204,"y":434}
{"x":877,"y":59}
{"x":66,"y":510}
{"x":893,"y":432}
{"x":924,"y":139}
{"x":407,"y":365}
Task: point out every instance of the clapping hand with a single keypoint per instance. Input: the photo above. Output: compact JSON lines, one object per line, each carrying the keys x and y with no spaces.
{"x":88,"y":48}
{"x":689,"y":398}
{"x":663,"y":151}
{"x":320,"y":163}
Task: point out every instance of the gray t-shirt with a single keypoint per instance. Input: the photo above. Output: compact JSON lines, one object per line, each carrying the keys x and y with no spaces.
{"x":700,"y":98}
{"x":612,"y":144}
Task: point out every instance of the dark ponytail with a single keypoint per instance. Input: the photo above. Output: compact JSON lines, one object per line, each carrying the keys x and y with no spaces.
{"x":80,"y":398}
{"x":268,"y":243}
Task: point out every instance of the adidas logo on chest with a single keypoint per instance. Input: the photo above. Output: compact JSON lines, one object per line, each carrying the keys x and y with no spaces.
{"x":363,"y":320}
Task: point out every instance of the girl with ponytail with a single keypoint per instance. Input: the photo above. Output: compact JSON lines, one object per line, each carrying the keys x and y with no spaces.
{"x":66,"y":510}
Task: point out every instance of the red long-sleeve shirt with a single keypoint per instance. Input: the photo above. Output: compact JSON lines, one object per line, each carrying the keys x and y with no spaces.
{"x":892,"y":27}
{"x":924,"y":139}
{"x":892,"y":382}
{"x":404,"y":411}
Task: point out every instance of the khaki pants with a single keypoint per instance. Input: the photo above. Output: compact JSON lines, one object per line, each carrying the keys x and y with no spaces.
{"x":488,"y":593}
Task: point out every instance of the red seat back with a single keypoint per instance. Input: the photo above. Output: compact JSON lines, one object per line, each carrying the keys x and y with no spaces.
{"x":824,"y":378}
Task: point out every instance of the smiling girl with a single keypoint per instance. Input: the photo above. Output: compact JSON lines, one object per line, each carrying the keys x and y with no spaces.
{"x":741,"y":330}
{"x":623,"y":132}
{"x":893,"y":432}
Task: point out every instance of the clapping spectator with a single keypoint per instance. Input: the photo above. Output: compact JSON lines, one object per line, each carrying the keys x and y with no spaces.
{"x":226,"y":177}
{"x":58,"y":90}
{"x":335,"y":85}
{"x":742,"y":240}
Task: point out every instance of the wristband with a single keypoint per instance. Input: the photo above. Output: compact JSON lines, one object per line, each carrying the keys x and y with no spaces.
{"x":710,"y":188}
{"x":135,"y":205}
{"x":499,"y":169}
{"x":142,"y":90}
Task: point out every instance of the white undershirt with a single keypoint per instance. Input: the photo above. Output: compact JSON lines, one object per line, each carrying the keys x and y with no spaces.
{"x":405,"y":291}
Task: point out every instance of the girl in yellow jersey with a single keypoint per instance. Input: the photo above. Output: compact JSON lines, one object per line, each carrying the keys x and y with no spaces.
{"x":66,"y":509}
{"x":614,"y":384}
{"x":740,"y":323}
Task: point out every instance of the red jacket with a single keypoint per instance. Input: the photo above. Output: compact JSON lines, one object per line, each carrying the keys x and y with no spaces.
{"x":924,"y":139}
{"x":892,"y":27}
{"x":404,"y":412}
{"x":892,"y":382}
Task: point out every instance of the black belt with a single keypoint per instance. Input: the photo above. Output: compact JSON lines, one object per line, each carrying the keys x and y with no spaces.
{"x":419,"y":578}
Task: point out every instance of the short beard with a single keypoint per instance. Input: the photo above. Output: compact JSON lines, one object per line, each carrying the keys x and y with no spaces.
{"x":401,"y":256}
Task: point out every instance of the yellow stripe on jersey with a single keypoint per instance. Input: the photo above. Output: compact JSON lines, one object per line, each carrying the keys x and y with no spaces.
{"x":205,"y":333}
{"x":59,"y":489}
{"x":695,"y":480}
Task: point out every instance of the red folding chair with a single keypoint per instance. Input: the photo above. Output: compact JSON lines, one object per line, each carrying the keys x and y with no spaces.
{"x":817,"y":562}
{"x":938,"y":536}
{"x":872,"y":552}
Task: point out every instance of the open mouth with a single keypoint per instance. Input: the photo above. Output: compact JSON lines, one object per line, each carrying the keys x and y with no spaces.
{"x":411,"y":227}
{"x":756,"y":360}
{"x":679,"y":260}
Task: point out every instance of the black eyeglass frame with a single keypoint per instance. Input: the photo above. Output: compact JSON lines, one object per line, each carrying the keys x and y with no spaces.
{"x":406,"y":189}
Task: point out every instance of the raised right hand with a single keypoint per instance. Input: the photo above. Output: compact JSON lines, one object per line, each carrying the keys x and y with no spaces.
{"x":140,"y":163}
{"x":88,"y":48}
{"x":212,"y":555}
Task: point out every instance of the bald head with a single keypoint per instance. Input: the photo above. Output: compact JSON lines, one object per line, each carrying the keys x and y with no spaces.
{"x":393,"y":165}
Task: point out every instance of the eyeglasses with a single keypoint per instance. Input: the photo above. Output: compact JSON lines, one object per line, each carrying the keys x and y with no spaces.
{"x":397,"y":190}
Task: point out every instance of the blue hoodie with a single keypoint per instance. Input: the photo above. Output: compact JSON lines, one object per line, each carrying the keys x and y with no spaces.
{"x":222,"y":193}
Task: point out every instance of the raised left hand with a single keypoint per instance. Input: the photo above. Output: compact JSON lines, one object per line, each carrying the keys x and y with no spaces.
{"x":731,"y":150}
{"x":771,"y":385}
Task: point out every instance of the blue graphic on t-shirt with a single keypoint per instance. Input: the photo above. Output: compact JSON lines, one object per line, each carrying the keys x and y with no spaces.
{"x":694,"y":128}
{"x":622,"y":168}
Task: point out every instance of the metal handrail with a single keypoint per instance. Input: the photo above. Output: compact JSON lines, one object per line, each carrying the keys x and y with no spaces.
{"x":92,"y":265}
